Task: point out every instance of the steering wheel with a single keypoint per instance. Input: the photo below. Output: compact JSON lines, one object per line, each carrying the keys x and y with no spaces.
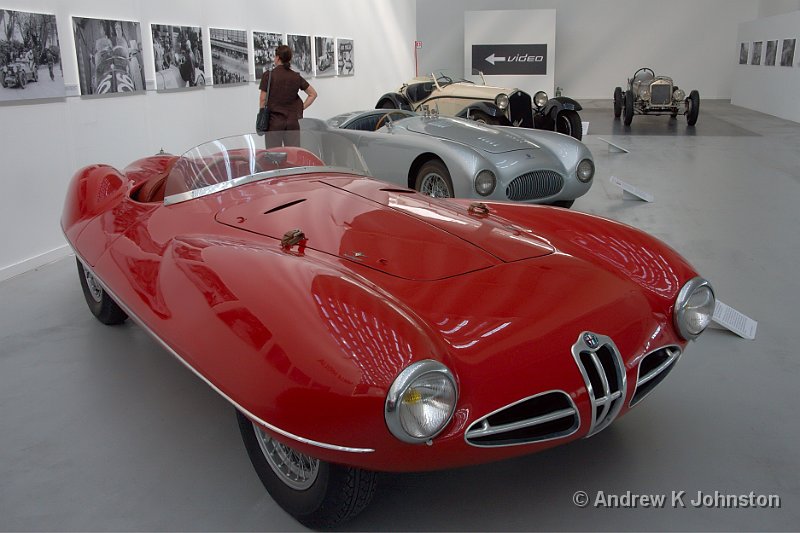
{"x":386,"y":117}
{"x":644,"y":69}
{"x":447,"y":79}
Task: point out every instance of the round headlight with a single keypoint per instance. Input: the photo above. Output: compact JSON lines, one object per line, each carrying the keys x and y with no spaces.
{"x":678,"y":95}
{"x":421,"y":401}
{"x":644,"y":93}
{"x":485,"y":182}
{"x":501,"y":101}
{"x":585,"y":170}
{"x":540,"y":98}
{"x":694,"y":308}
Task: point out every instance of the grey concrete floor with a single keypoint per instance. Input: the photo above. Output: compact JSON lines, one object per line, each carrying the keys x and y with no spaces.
{"x":100,"y":429}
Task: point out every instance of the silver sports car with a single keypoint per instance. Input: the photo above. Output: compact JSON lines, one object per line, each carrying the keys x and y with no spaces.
{"x":453,"y":157}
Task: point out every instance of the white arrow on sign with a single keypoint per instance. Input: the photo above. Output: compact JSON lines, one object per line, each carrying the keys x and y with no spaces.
{"x":492,"y":58}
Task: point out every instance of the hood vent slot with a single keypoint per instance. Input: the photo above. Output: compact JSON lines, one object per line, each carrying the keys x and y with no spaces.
{"x":284,"y":206}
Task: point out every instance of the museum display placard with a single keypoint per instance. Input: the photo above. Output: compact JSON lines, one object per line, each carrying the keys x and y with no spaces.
{"x":302,"y":57}
{"x":178,"y":56}
{"x":264,"y":45}
{"x":229,"y":56}
{"x":109,"y":54}
{"x":30,"y":56}
{"x":345,"y":57}
{"x":324,"y":56}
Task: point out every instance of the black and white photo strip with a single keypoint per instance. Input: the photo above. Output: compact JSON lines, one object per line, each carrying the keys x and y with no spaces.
{"x":264,"y":45}
{"x":178,"y":56}
{"x":229,"y":57}
{"x":302,"y":60}
{"x":744,"y":51}
{"x":324,"y":60}
{"x":345,"y":58}
{"x":755,"y":59}
{"x":109,"y":55}
{"x":772,"y":51}
{"x":30,"y":56}
{"x":787,"y":52}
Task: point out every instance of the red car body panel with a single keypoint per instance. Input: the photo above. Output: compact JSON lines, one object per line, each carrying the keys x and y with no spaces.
{"x":309,"y":340}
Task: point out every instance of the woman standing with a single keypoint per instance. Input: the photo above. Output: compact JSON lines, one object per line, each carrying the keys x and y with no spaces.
{"x":285,"y":106}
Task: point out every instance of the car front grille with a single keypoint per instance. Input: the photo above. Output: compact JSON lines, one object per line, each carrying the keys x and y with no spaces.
{"x":520,"y":109}
{"x":653,"y":368}
{"x":535,"y":185}
{"x":661,"y":93}
{"x":602,"y":369}
{"x":546,"y":416}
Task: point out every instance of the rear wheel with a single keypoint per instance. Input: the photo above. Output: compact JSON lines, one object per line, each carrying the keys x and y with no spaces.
{"x":569,"y":123}
{"x":566,"y":204}
{"x":318,"y":494}
{"x":628,"y":107}
{"x":433,"y":179}
{"x":692,"y":108}
{"x":617,"y":102}
{"x":22,"y":79}
{"x":100,"y":303}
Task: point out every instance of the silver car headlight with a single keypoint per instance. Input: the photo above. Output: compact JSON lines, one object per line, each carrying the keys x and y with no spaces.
{"x":585,"y":170}
{"x":485,"y":182}
{"x":644,"y":93}
{"x":694,"y":308}
{"x":501,"y":101}
{"x":421,"y":401}
{"x":540,"y":98}
{"x":678,"y":95}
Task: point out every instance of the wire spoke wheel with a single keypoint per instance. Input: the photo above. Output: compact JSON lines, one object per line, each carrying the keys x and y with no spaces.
{"x":297,"y":470}
{"x":434,"y":185}
{"x":95,"y":290}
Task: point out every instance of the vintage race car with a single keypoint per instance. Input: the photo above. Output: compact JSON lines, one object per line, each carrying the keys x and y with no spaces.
{"x":357,"y":326}
{"x":648,"y":94}
{"x":18,"y":73}
{"x":452,"y":157}
{"x":456,"y":97}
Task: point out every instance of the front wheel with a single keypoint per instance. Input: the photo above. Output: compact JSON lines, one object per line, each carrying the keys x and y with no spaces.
{"x":628,"y":107}
{"x":316,"y":493}
{"x":566,"y":204}
{"x":482,"y":118}
{"x":617,"y":102}
{"x":569,"y":123}
{"x":100,"y":303}
{"x":433,"y":179}
{"x":692,"y":108}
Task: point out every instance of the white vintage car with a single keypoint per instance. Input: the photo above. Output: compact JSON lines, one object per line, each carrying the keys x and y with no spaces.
{"x":648,"y":94}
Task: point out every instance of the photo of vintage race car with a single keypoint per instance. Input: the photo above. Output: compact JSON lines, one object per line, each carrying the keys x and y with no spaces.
{"x":452,"y":96}
{"x":453,"y":157}
{"x":357,"y":326}
{"x":648,"y":94}
{"x":18,"y":73}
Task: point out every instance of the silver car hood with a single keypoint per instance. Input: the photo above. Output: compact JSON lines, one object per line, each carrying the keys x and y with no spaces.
{"x":468,"y":132}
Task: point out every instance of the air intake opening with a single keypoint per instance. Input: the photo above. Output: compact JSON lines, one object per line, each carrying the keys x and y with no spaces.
{"x":653,"y":368}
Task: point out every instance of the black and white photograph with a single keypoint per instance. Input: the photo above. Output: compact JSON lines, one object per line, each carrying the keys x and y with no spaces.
{"x":772,"y":51}
{"x":787,"y":52}
{"x":30,"y":56}
{"x":264,"y":45}
{"x":744,"y":51}
{"x":324,"y":60}
{"x":229,"y":56}
{"x":178,"y":56}
{"x":755,"y":59}
{"x":344,"y":57}
{"x":302,"y":60}
{"x":109,"y":55}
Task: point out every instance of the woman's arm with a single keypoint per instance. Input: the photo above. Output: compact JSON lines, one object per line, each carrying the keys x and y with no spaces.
{"x":262,"y":99}
{"x":312,"y":95}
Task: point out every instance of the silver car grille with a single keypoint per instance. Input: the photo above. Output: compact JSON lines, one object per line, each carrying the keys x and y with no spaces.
{"x":546,"y":416}
{"x":535,"y":185}
{"x":653,"y":368}
{"x":661,"y":93}
{"x":601,"y":366}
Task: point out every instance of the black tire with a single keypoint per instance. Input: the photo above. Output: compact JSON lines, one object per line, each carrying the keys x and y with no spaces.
{"x":335,"y":495}
{"x":566,"y":204}
{"x":100,"y":303}
{"x":433,"y":179}
{"x":617,"y":102}
{"x":22,"y":80}
{"x":692,"y":108}
{"x":628,"y":107}
{"x":568,"y":122}
{"x":483,"y":118}
{"x":386,"y":104}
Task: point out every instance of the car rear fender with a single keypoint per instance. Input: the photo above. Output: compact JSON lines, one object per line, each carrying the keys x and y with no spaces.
{"x":399,"y":101}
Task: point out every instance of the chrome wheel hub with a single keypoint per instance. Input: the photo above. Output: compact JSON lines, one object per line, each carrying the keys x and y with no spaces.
{"x":94,"y":287}
{"x":297,"y":470}
{"x":434,"y":185}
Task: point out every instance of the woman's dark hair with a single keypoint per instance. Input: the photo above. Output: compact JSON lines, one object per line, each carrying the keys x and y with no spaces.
{"x":284,"y":53}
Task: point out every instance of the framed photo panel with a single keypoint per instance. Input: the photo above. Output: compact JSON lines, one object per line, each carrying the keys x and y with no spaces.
{"x":178,"y":56}
{"x":772,"y":51}
{"x":264,"y":45}
{"x":744,"y":52}
{"x":344,"y":57}
{"x":324,"y":56}
{"x":229,"y":56}
{"x":109,"y":55}
{"x":755,"y":59}
{"x":787,"y":52}
{"x":302,"y":58}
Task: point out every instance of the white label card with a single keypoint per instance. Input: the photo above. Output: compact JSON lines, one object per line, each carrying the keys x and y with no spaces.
{"x":584,"y":128}
{"x":627,"y":187}
{"x":729,"y":318}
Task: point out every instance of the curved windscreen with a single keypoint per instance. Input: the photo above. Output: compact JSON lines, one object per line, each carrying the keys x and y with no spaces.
{"x":233,"y":161}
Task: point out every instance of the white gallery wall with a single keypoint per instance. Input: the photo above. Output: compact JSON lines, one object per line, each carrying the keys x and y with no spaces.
{"x":600,"y":43}
{"x":43,"y":144}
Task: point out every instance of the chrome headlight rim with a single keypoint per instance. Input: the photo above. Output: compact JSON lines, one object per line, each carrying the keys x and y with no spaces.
{"x":410,"y":375}
{"x":684,"y":296}
{"x":488,"y":174}
{"x":501,"y":101}
{"x":585,"y":175}
{"x":540,"y":98}
{"x":678,"y":95}
{"x":644,"y":93}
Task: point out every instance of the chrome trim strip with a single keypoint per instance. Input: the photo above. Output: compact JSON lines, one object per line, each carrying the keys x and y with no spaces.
{"x":674,"y":352}
{"x":178,"y":198}
{"x":487,"y":430}
{"x":244,"y":411}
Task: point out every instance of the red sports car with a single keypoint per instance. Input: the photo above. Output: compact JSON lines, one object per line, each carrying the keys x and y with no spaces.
{"x":360,"y":327}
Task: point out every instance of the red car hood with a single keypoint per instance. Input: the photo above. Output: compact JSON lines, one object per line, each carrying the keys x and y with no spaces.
{"x":391,"y":230}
